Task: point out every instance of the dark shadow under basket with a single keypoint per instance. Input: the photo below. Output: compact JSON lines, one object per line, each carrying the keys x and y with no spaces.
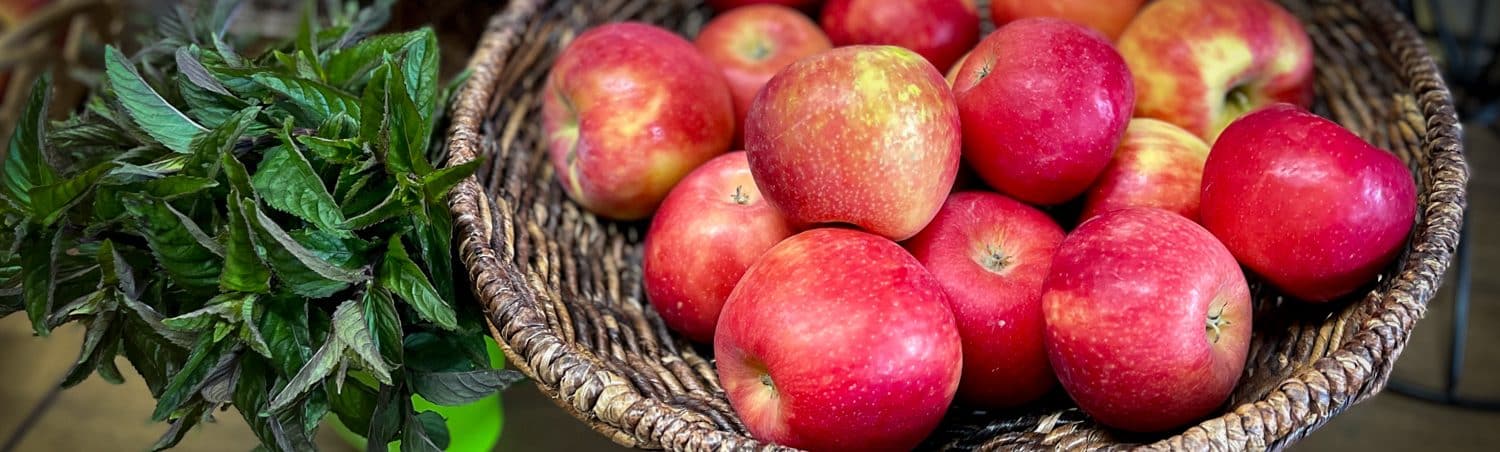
{"x":562,"y":289}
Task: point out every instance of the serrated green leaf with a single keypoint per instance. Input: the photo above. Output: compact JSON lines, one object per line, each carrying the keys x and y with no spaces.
{"x":24,"y":165}
{"x":185,"y":383}
{"x":419,"y":67}
{"x":438,"y":183}
{"x":243,"y":270}
{"x":237,"y":175}
{"x":392,"y":206}
{"x":101,"y":330}
{"x":346,"y":67}
{"x":285,"y":328}
{"x":307,"y":38}
{"x":207,"y":149}
{"x":377,"y":106}
{"x":435,"y":238}
{"x":319,"y":366}
{"x":271,"y":231}
{"x":461,"y":388}
{"x":165,"y":123}
{"x":425,"y":432}
{"x":153,"y":358}
{"x":216,"y":310}
{"x":391,"y":406}
{"x":48,"y":202}
{"x":287,"y":182}
{"x":179,"y":428}
{"x":317,"y":100}
{"x":179,"y":246}
{"x":410,"y":132}
{"x":343,"y":151}
{"x":339,"y":126}
{"x":39,"y":275}
{"x":195,"y":73}
{"x":402,"y":277}
{"x":350,"y":326}
{"x":250,"y":315}
{"x":354,"y":403}
{"x":172,"y":187}
{"x":87,"y":133}
{"x":250,"y":394}
{"x":384,"y":323}
{"x":152,"y":319}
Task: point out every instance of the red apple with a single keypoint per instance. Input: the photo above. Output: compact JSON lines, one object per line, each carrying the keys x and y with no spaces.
{"x":710,"y":228}
{"x":753,"y":43}
{"x":1202,"y":63}
{"x":837,"y":339}
{"x":861,"y":135}
{"x":726,"y":5}
{"x":1306,"y":204}
{"x":1157,"y":165}
{"x":628,"y":110}
{"x":939,"y":30}
{"x":991,"y":255}
{"x":1148,"y":319}
{"x":1108,"y":17}
{"x":1044,"y":102}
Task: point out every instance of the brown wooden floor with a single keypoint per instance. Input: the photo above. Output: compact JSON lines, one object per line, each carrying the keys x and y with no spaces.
{"x":97,"y":416}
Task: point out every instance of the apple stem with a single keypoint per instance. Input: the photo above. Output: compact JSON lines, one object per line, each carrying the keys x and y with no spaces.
{"x":995,"y":259}
{"x":1216,"y":321}
{"x":739,"y":196}
{"x":765,"y":379}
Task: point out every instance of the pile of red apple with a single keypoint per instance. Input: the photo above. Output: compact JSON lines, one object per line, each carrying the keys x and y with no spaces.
{"x":855,"y":283}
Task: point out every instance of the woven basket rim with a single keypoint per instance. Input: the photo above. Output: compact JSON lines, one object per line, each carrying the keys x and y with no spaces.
{"x":1297,"y":405}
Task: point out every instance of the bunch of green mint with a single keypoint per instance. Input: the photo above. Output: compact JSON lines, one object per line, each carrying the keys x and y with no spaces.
{"x":258,"y":228}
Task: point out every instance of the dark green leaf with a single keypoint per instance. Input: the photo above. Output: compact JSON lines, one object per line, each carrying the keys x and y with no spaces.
{"x":153,"y":319}
{"x":237,"y":175}
{"x":384,"y":323}
{"x":339,"y":126}
{"x":438,"y":183}
{"x":148,"y":109}
{"x":461,"y":388}
{"x":435,"y":238}
{"x":392,"y":206}
{"x":87,"y":133}
{"x":286,"y":330}
{"x":351,"y":64}
{"x":410,"y":131}
{"x":179,"y":246}
{"x":101,"y":330}
{"x":287,"y":182}
{"x":317,"y":100}
{"x":319,"y":366}
{"x":402,"y":277}
{"x":276,"y":239}
{"x":179,"y":428}
{"x":153,"y":357}
{"x":354,"y":404}
{"x":48,"y":202}
{"x":172,"y":187}
{"x":39,"y":275}
{"x":391,"y":407}
{"x":432,"y":352}
{"x":243,"y":270}
{"x":208,"y":148}
{"x":185,"y":383}
{"x":376,"y":124}
{"x":420,"y":68}
{"x":207,"y":108}
{"x":197,"y":74}
{"x":349,"y":325}
{"x":425,"y":432}
{"x":289,"y":432}
{"x":343,"y":151}
{"x":24,"y":165}
{"x":250,"y":394}
{"x":217,"y":310}
{"x":250,"y":315}
{"x":307,"y":38}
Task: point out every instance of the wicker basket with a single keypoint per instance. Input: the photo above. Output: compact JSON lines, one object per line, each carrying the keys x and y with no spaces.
{"x":562,"y":289}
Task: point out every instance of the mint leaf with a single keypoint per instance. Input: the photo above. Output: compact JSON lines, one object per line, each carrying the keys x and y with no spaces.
{"x":287,"y":182}
{"x":402,"y":277}
{"x":392,"y":206}
{"x":384,"y":323}
{"x":425,"y":432}
{"x":461,"y":388}
{"x":39,"y":275}
{"x":24,"y":166}
{"x":197,"y":74}
{"x":207,"y":148}
{"x":148,"y":109}
{"x":172,"y":187}
{"x":420,"y":68}
{"x":354,"y":403}
{"x":319,"y":366}
{"x":202,"y":360}
{"x":438,"y":183}
{"x":409,"y":130}
{"x":182,"y":249}
{"x":52,"y":200}
{"x":347,"y":66}
{"x":351,"y":328}
{"x":243,"y":270}
{"x":435,"y":238}
{"x":317,"y":100}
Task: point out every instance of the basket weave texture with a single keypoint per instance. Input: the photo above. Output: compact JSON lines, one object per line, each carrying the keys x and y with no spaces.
{"x":562,"y":289}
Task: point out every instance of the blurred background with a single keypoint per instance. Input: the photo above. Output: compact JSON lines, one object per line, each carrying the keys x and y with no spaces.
{"x":1446,"y":401}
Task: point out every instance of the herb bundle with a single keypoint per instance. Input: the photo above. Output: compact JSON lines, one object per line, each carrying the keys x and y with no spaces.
{"x":258,"y":228}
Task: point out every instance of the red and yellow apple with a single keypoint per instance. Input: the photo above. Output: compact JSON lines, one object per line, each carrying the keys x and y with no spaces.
{"x":627,"y":111}
{"x":939,"y":30}
{"x":861,"y":135}
{"x":991,"y":254}
{"x":1202,"y":63}
{"x":837,"y":339}
{"x":1157,"y":165}
{"x":1044,"y":103}
{"x":711,"y":227}
{"x":1148,"y":319}
{"x":1306,"y":204}
{"x":753,"y":43}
